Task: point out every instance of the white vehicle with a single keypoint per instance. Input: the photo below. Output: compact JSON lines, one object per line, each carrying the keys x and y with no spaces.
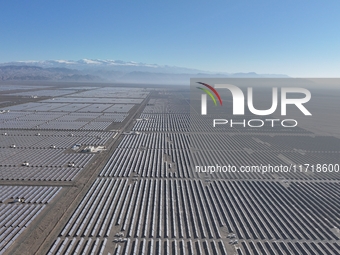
{"x":234,"y":241}
{"x":19,"y":200}
{"x":231,"y":235}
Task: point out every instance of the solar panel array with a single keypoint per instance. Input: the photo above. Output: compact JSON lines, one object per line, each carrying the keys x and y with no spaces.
{"x":44,"y":93}
{"x":47,"y":152}
{"x":60,"y":121}
{"x":148,"y":199}
{"x":115,"y":92}
{"x":17,"y":216}
{"x":42,"y":142}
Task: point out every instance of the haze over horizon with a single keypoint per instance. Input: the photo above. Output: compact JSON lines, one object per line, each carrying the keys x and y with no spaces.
{"x":107,"y":63}
{"x":292,"y":38}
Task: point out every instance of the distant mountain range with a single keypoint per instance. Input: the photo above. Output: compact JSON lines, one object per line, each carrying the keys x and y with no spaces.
{"x":88,"y":70}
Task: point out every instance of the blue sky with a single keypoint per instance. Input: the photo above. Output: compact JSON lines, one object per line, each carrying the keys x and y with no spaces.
{"x":298,"y":38}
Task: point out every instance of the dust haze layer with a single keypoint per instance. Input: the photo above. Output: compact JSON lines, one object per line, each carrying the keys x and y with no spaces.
{"x":88,"y":70}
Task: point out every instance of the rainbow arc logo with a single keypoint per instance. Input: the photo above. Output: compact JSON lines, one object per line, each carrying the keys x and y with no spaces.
{"x":209,"y":93}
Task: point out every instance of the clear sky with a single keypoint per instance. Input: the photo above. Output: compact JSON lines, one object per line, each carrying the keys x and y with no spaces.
{"x":298,"y":38}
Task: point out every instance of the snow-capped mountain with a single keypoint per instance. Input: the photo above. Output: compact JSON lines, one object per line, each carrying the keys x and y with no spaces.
{"x":117,"y":65}
{"x":107,"y":71}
